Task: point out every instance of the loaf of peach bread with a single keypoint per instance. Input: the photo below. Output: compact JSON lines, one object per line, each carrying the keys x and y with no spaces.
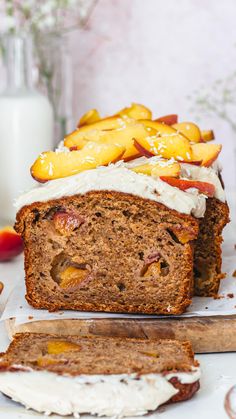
{"x":129,"y":218}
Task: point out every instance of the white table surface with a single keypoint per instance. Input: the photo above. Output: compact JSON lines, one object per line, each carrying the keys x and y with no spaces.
{"x":218,"y":373}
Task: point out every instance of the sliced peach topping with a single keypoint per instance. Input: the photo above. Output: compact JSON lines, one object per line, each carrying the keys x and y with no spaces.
{"x":190,"y":130}
{"x":72,"y":277}
{"x":207,"y":135}
{"x":183,"y":184}
{"x":65,"y":222}
{"x":123,"y":137}
{"x":168,"y":119}
{"x":89,"y":118}
{"x":53,"y":165}
{"x":107,"y":124}
{"x":159,"y":168}
{"x":136,"y":111}
{"x":56,"y":347}
{"x":167,"y":146}
{"x":208,"y":153}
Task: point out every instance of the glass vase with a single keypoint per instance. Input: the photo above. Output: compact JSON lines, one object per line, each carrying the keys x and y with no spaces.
{"x":55,"y":79}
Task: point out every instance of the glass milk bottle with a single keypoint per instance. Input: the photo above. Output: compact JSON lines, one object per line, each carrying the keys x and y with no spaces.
{"x":26,"y":125}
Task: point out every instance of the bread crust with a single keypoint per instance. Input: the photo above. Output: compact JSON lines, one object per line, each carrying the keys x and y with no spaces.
{"x":208,"y":252}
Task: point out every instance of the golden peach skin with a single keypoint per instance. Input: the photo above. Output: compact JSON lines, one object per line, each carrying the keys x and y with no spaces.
{"x":89,"y":117}
{"x":190,"y":130}
{"x":208,"y":153}
{"x":161,"y":168}
{"x":53,"y":165}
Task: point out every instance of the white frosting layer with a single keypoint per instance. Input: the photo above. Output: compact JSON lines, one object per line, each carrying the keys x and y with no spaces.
{"x":119,"y":177}
{"x":108,"y":395}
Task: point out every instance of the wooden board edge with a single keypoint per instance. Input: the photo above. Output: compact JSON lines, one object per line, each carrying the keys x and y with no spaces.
{"x":207,"y":334}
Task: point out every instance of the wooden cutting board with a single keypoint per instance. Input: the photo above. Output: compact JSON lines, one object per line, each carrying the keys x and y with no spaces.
{"x":207,"y":334}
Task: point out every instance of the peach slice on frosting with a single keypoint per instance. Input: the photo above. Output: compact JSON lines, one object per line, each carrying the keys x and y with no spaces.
{"x":168,"y":145}
{"x":159,"y":168}
{"x":89,"y":117}
{"x":183,"y":184}
{"x":190,"y":130}
{"x":53,"y":165}
{"x":207,"y":135}
{"x":168,"y":119}
{"x":136,"y":111}
{"x":123,"y":137}
{"x":208,"y":153}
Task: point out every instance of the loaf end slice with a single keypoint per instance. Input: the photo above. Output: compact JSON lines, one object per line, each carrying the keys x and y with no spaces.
{"x":99,"y":375}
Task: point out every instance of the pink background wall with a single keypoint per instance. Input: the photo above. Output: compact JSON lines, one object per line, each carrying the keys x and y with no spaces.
{"x":156,"y":52}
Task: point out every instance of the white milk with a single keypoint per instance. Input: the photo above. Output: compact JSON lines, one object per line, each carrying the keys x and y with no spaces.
{"x":26,"y":129}
{"x":26,"y":125}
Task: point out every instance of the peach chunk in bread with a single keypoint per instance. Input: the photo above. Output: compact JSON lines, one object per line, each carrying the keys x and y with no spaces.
{"x":89,"y":118}
{"x":65,"y":222}
{"x":56,"y":347}
{"x":207,"y":135}
{"x":208,"y":153}
{"x":183,"y":184}
{"x":123,"y":137}
{"x":168,"y":119}
{"x":159,"y":168}
{"x":11,"y":244}
{"x":72,"y":277}
{"x":53,"y":165}
{"x":189,"y":130}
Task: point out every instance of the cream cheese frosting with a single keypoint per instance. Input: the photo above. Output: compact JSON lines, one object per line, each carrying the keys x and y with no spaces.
{"x":104,"y":395}
{"x":119,"y":177}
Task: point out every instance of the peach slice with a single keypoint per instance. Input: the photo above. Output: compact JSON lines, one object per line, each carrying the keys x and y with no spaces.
{"x":208,"y":153}
{"x":65,"y":222}
{"x":168,"y":119}
{"x":123,"y":137}
{"x":56,"y":347}
{"x":207,"y":135}
{"x":53,"y":165}
{"x":72,"y":278}
{"x":161,"y":168}
{"x":136,"y":111}
{"x":203,"y":187}
{"x":189,"y":130}
{"x":11,"y":244}
{"x":169,"y":146}
{"x":106,"y":124}
{"x":89,"y":118}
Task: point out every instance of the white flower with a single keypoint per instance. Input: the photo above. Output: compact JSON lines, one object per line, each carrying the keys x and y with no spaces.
{"x":7,"y":23}
{"x":47,"y":7}
{"x":46,"y":23}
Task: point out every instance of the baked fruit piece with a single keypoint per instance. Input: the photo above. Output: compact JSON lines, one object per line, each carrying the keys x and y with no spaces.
{"x":107,"y":251}
{"x":104,"y":376}
{"x":207,"y":252}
